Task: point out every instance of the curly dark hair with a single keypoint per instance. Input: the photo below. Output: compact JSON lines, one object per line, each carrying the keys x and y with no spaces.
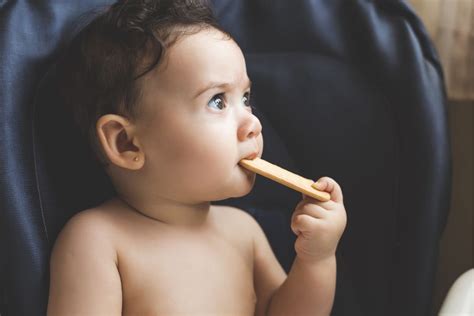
{"x":99,"y":67}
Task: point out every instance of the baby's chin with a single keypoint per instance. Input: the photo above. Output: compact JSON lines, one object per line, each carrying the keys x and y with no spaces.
{"x":246,"y":181}
{"x":240,"y":183}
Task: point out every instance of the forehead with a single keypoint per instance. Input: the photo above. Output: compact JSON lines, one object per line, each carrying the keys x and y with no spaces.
{"x":194,"y":60}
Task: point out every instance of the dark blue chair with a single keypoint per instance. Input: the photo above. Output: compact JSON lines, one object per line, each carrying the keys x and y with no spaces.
{"x":351,"y":89}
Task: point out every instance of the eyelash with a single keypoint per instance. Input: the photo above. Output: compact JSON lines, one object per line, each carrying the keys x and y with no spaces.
{"x":222,"y":96}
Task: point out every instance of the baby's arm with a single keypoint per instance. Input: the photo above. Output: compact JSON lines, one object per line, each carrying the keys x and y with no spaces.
{"x":268,"y":273}
{"x":84,"y":278}
{"x":308,"y":290}
{"x":310,"y":286}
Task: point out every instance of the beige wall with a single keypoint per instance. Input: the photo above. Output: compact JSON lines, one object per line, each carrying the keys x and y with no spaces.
{"x":456,"y":248}
{"x":451,"y":27}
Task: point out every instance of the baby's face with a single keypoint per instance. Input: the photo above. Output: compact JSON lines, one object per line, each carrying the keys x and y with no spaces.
{"x":198,"y":122}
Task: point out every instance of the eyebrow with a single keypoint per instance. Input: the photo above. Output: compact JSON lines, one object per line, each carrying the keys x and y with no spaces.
{"x":212,"y":85}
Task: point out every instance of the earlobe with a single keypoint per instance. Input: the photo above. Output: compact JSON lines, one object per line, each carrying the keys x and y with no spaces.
{"x":116,"y":137}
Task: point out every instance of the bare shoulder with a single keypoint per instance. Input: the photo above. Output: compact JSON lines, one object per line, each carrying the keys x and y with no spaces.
{"x":268,"y":273}
{"x":84,"y":277}
{"x":87,"y":232}
{"x":86,"y":225}
{"x":237,"y":216}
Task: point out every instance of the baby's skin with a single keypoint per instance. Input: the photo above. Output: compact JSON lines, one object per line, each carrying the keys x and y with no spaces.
{"x":160,"y":247}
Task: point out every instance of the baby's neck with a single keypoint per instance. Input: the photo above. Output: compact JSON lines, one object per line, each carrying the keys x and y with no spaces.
{"x":169,"y":212}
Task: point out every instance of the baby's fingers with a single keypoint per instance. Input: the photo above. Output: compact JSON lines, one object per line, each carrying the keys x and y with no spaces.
{"x":303,"y":223}
{"x":329,"y":185}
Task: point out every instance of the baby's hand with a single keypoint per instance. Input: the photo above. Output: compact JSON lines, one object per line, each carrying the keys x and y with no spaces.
{"x":319,"y":225}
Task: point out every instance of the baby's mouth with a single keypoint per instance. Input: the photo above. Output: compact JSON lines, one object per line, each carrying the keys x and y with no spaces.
{"x":253,"y":155}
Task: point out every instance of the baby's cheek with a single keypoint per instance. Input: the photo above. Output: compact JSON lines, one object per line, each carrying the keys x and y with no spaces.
{"x":210,"y":160}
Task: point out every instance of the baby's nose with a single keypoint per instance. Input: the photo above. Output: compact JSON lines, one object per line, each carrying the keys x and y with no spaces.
{"x":250,"y":127}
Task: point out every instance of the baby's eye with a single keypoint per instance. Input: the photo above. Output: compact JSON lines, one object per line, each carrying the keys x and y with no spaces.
{"x":217,"y":100}
{"x":247,"y":98}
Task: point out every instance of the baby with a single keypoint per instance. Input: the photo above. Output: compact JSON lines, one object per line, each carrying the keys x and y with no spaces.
{"x":162,"y":93}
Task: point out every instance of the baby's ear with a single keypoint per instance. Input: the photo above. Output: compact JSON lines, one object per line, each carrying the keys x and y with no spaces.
{"x":119,"y":143}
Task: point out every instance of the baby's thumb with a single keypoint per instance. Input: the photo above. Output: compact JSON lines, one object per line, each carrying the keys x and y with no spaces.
{"x":329,"y":185}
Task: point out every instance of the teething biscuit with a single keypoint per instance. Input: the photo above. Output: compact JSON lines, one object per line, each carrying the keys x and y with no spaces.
{"x":285,"y":177}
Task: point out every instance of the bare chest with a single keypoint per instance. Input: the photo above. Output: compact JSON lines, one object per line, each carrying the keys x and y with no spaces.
{"x":169,"y":275}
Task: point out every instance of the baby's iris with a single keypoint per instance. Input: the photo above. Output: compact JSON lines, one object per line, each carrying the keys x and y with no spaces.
{"x":217,"y":100}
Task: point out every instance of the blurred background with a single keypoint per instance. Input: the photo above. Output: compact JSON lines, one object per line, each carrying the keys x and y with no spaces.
{"x":451,"y":27}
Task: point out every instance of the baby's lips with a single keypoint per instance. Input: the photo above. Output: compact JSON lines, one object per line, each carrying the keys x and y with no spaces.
{"x":252,"y":156}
